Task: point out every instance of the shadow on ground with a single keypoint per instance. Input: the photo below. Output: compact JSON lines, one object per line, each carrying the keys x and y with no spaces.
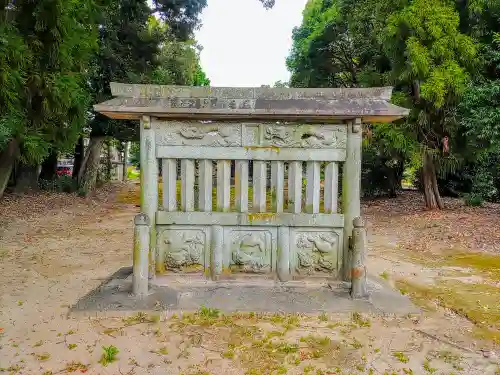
{"x":115,"y":295}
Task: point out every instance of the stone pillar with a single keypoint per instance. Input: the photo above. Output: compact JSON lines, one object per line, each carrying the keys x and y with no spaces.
{"x":149,"y":184}
{"x":351,"y":188}
{"x":358,"y":270}
{"x":141,"y":255}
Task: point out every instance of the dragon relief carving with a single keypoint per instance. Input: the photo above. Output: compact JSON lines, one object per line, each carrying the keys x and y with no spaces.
{"x":251,"y":252}
{"x":316,"y":252}
{"x":281,"y":136}
{"x":184,"y":250}
{"x":220,"y":135}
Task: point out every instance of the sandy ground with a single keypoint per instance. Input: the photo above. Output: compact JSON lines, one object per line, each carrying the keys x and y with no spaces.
{"x":55,"y":249}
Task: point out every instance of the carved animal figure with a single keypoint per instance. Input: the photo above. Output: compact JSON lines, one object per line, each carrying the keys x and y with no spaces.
{"x":183,"y":251}
{"x":250,"y":252}
{"x":324,"y":244}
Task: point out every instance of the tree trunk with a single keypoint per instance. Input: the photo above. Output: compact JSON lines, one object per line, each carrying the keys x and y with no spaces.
{"x":431,"y":192}
{"x":27,"y":178}
{"x":87,"y":176}
{"x":49,"y":166}
{"x":125,"y":159}
{"x":78,"y":157}
{"x":7,"y":158}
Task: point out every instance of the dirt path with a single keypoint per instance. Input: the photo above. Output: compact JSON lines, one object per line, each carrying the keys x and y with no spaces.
{"x":64,"y":246}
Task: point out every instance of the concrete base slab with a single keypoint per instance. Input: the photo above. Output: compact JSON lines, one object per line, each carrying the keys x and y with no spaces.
{"x":114,"y":296}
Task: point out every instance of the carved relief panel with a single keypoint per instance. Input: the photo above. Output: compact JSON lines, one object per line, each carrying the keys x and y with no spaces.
{"x":226,"y":134}
{"x":195,"y":133}
{"x":295,"y":135}
{"x":316,"y":251}
{"x":183,"y":249}
{"x":249,"y":249}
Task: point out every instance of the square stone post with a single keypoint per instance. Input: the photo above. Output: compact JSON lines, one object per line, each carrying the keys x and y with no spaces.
{"x":149,"y":184}
{"x":351,"y":189}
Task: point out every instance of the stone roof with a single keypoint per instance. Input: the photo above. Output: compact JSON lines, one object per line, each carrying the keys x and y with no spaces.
{"x":245,"y":103}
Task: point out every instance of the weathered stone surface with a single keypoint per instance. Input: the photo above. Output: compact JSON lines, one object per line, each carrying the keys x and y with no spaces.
{"x":315,"y":252}
{"x":217,"y":102}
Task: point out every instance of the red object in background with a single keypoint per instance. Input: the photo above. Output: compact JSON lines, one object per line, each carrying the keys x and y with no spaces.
{"x":64,"y":171}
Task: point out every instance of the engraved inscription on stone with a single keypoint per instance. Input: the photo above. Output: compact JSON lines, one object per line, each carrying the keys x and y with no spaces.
{"x":183,"y":249}
{"x":251,"y":251}
{"x":197,"y":134}
{"x":304,"y":136}
{"x":316,"y":252}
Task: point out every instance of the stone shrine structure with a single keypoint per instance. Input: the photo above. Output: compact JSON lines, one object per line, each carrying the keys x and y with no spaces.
{"x":291,"y":229}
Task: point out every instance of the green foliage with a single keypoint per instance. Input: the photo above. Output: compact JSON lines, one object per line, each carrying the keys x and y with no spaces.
{"x":62,"y":184}
{"x":443,"y":61}
{"x":108,"y":355}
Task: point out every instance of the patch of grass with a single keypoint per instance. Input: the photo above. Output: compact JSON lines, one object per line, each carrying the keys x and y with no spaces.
{"x":38,"y":343}
{"x":13,"y":369}
{"x":76,"y":366}
{"x":323,"y":317}
{"x":162,"y":351}
{"x":448,"y":357}
{"x":428,"y":368}
{"x":356,"y":344}
{"x":70,"y":332}
{"x":384,"y":275}
{"x":401,"y":357}
{"x":141,"y":317}
{"x":72,"y":346}
{"x":109,"y":355}
{"x":209,"y":313}
{"x":308,"y":369}
{"x":229,"y":354}
{"x":42,"y":356}
{"x":360,"y":320}
{"x":485,"y":264}
{"x":476,"y":302}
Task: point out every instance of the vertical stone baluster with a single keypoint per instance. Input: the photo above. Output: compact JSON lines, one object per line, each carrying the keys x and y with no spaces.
{"x":149,"y":184}
{"x":216,"y":251}
{"x":351,"y":188}
{"x":223,"y":185}
{"x":205,"y":185}
{"x":187,"y":185}
{"x":241,"y":185}
{"x":331,"y":187}
{"x":313,"y":188}
{"x":259,"y":186}
{"x":277,"y":185}
{"x":169,"y":176}
{"x":295,"y":187}
{"x":140,"y":255}
{"x":284,"y":253}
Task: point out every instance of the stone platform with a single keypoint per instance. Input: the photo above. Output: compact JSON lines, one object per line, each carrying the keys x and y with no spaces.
{"x":114,"y":296}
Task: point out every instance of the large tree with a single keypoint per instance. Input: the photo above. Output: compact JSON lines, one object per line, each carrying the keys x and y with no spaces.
{"x":45,"y":90}
{"x":149,"y":49}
